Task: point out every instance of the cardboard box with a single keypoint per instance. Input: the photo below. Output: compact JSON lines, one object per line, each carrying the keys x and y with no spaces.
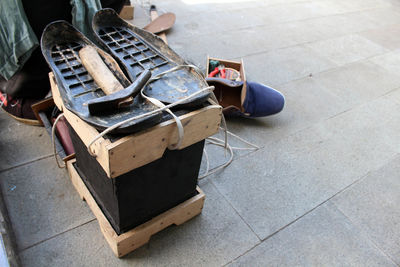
{"x":238,"y":95}
{"x":127,"y":12}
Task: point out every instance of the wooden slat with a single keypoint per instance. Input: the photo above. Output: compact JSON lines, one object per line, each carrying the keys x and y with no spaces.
{"x":136,"y":150}
{"x":142,"y":148}
{"x":127,"y":12}
{"x":54,"y":91}
{"x":42,"y":105}
{"x":87,"y":133}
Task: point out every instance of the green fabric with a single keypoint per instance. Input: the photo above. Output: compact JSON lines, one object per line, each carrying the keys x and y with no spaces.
{"x":17,"y":39}
{"x":82,"y":15}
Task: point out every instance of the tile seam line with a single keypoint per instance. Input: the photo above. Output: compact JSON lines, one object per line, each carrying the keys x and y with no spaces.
{"x":309,"y":211}
{"x":327,"y":200}
{"x":320,"y":40}
{"x":54,"y":236}
{"x":357,"y":106}
{"x":364,"y":234}
{"x":244,"y":253}
{"x":237,"y":213}
{"x":26,"y":163}
{"x":337,"y":67}
{"x":367,"y":60}
{"x":304,"y":20}
{"x":238,"y":8}
{"x":320,"y":121}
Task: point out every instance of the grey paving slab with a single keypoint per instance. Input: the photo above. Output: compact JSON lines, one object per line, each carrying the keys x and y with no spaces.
{"x":387,"y":36}
{"x":214,"y":238}
{"x":215,"y":156}
{"x":287,"y":64}
{"x":384,"y":16}
{"x":305,"y":104}
{"x":347,"y":49}
{"x":193,"y":7}
{"x":232,"y":44}
{"x":304,"y":10}
{"x":313,"y":29}
{"x":395,"y":96}
{"x":201,"y":40}
{"x":393,"y":3}
{"x":21,"y":143}
{"x":372,"y":205}
{"x":227,"y":45}
{"x":324,"y":237}
{"x":337,"y":25}
{"x":371,"y":125}
{"x":343,"y":6}
{"x":359,"y":82}
{"x":294,"y":12}
{"x":220,"y":30}
{"x":274,"y":186}
{"x":285,"y":35}
{"x":41,"y":202}
{"x":389,"y":61}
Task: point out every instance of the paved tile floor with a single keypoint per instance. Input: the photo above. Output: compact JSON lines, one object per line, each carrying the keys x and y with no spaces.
{"x":323,"y":189}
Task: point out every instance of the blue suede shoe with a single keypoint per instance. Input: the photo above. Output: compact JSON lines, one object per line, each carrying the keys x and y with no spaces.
{"x":246,"y":100}
{"x":261,"y":100}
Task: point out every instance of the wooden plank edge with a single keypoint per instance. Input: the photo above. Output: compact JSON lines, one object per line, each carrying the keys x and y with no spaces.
{"x":54,"y":91}
{"x":125,"y":154}
{"x":140,"y":235}
{"x":84,"y":193}
{"x":42,"y":105}
{"x":127,"y":12}
{"x":178,"y":215}
{"x":167,"y":123}
{"x":104,"y":148}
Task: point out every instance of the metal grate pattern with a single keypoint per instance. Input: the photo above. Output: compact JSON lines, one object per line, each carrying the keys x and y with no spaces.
{"x":133,"y":51}
{"x":66,"y":59}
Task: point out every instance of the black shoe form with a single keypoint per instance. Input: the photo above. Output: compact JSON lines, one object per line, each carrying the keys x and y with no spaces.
{"x":136,"y":50}
{"x":60,"y":45}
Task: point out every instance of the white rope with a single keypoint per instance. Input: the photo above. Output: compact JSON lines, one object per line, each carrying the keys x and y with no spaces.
{"x":207,"y":162}
{"x":161,"y":108}
{"x":177,"y":120}
{"x":229,"y":148}
{"x":159,"y":104}
{"x":217,"y":142}
{"x":109,"y":129}
{"x":178,"y":67}
{"x":53,"y":139}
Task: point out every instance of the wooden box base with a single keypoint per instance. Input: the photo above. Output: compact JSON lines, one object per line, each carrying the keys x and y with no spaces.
{"x":141,"y":194}
{"x":140,"y":235}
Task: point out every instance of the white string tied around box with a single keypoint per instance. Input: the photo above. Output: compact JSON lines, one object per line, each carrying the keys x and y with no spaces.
{"x":218,"y":142}
{"x":161,"y":108}
{"x":53,"y":136}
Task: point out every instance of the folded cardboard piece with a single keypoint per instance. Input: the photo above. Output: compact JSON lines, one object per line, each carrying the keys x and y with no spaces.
{"x":230,"y":93}
{"x":239,"y":97}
